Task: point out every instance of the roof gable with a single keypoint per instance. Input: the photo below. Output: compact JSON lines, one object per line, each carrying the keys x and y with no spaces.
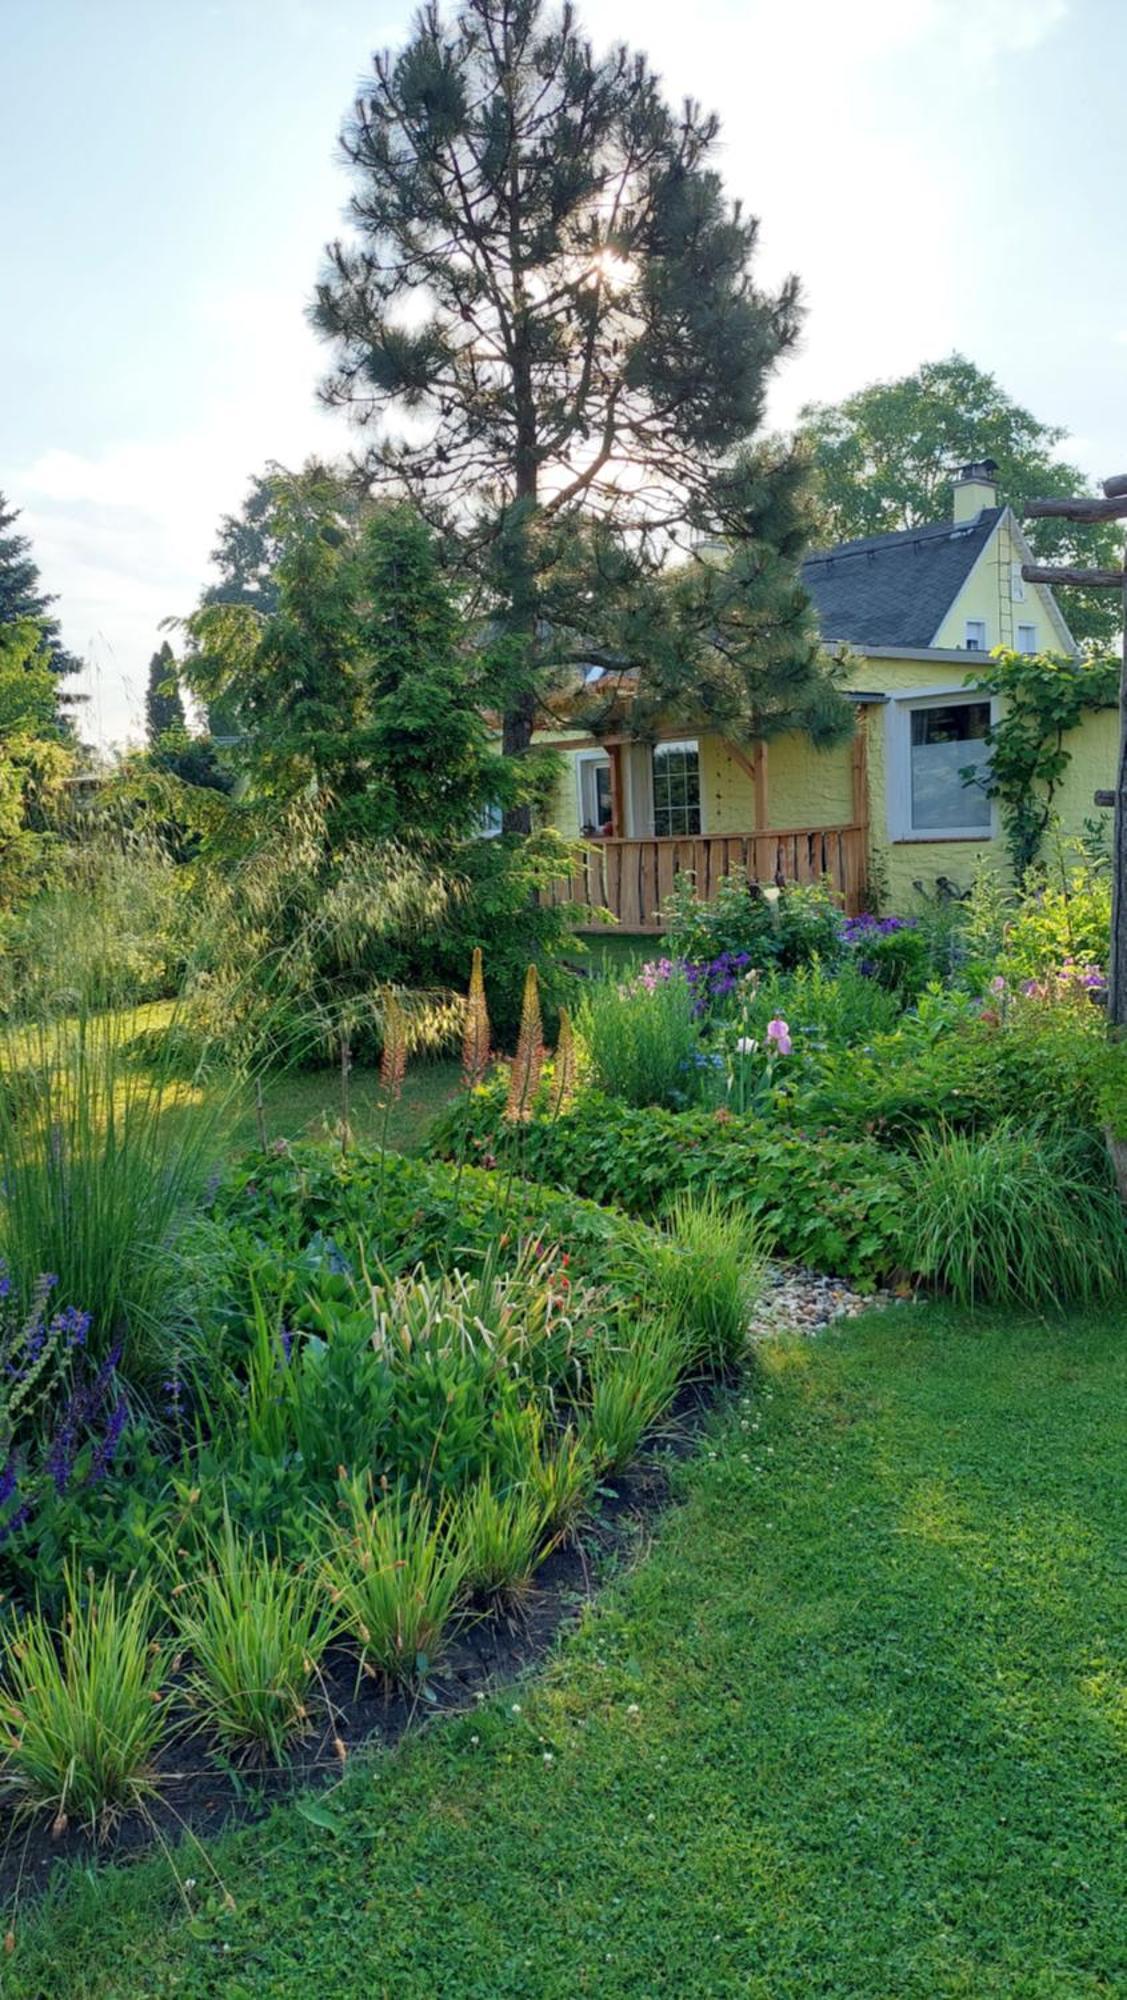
{"x":895,"y":590}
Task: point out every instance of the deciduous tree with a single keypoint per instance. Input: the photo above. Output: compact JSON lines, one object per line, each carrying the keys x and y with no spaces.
{"x":886,"y":456}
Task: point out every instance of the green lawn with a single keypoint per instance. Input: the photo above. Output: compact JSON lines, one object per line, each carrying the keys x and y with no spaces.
{"x":854,"y":1724}
{"x":306,"y":1104}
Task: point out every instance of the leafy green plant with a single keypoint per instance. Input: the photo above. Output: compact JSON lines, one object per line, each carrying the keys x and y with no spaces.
{"x":498,"y":1535}
{"x":1044,"y":698}
{"x":786,"y":927}
{"x":256,"y":1628}
{"x":81,"y":1714}
{"x":395,"y":1578}
{"x":703,"y":1273}
{"x":632,"y":1384}
{"x":1015,"y":1217}
{"x":642,"y":1039}
{"x":820,"y":1198}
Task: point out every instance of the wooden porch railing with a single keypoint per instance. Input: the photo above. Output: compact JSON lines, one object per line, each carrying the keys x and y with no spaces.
{"x":632,"y":878}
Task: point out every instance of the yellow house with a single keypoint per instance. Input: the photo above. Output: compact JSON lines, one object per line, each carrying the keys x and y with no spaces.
{"x":913,"y":610}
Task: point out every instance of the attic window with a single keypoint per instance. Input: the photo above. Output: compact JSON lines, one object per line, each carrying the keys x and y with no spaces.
{"x":976,"y":635}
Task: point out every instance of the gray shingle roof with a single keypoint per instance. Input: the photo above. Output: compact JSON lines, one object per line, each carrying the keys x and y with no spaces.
{"x":894,"y":590}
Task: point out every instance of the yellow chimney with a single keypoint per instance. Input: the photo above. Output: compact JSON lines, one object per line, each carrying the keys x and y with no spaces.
{"x":975,"y":488}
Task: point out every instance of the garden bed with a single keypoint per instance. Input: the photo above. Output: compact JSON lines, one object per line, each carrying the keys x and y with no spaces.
{"x":200,"y":1791}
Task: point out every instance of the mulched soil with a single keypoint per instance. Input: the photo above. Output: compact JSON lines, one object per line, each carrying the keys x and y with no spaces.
{"x":199,"y":1792}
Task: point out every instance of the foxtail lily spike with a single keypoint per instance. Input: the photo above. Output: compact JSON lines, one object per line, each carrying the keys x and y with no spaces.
{"x":563,"y":1080}
{"x":393,"y":1057}
{"x":475,"y":1039}
{"x":529,"y":1058}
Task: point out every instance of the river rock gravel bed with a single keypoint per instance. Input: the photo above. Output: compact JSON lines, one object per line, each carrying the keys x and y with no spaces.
{"x":796,"y":1300}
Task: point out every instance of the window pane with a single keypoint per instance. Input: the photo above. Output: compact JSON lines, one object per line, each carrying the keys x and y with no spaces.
{"x":946,"y":741}
{"x":1027,"y":638}
{"x":976,"y":635}
{"x":676,"y":781}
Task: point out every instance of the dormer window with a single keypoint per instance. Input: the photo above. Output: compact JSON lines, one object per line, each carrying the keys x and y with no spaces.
{"x":976,"y":635}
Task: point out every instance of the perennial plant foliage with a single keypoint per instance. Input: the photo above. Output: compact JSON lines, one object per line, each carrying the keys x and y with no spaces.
{"x":325,"y":1401}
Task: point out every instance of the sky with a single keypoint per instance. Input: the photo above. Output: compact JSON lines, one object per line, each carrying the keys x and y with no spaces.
{"x":941,"y":174}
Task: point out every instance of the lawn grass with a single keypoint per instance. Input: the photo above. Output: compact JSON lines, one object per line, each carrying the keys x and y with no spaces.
{"x":306,"y":1104}
{"x":854,"y":1725}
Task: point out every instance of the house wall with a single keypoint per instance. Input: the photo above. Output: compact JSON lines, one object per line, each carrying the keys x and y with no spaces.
{"x":901,"y":863}
{"x":987,"y":595}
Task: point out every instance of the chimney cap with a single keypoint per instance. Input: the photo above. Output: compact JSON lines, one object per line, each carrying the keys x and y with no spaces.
{"x":982,"y":470}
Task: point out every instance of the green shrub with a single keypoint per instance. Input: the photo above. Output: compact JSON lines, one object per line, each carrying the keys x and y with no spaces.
{"x":395,"y":1578}
{"x":256,"y":1628}
{"x":784,"y":928}
{"x":702,"y":1273}
{"x":642,"y":1040}
{"x":80,"y":1711}
{"x":893,"y":952}
{"x":1015,"y":1217}
{"x":1062,"y":919}
{"x":831,"y":1202}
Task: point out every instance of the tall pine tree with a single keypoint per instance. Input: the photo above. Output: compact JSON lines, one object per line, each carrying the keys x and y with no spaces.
{"x":547,"y":308}
{"x":20,"y":594}
{"x":164,"y":708}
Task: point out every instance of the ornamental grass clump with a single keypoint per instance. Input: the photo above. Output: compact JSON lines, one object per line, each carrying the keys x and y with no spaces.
{"x":1012,"y":1216}
{"x":395,"y":1578}
{"x":556,"y":1467}
{"x":703,"y":1273}
{"x":255,"y":1629}
{"x":498,"y":1535}
{"x":632,"y":1385}
{"x":101,"y":1164}
{"x":81,"y":1714}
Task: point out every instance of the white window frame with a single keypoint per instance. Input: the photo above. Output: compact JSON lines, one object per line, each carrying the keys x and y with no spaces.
{"x":1017,"y":584}
{"x":492,"y":822}
{"x":685,"y":743}
{"x":899,"y":741}
{"x":584,"y":759}
{"x":1024,"y":626}
{"x":979,"y":625}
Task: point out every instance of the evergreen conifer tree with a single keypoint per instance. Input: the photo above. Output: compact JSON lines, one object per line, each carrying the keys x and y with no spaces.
{"x":547,"y":281}
{"x":164,"y":708}
{"x":21,"y":597}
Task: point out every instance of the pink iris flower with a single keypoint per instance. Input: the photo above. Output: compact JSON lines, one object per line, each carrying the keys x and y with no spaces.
{"x":779,"y":1033}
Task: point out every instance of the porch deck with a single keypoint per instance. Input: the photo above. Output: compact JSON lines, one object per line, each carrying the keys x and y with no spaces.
{"x":633,"y":878}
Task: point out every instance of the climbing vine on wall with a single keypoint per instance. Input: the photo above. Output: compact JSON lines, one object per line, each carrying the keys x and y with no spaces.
{"x":1044,"y":697}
